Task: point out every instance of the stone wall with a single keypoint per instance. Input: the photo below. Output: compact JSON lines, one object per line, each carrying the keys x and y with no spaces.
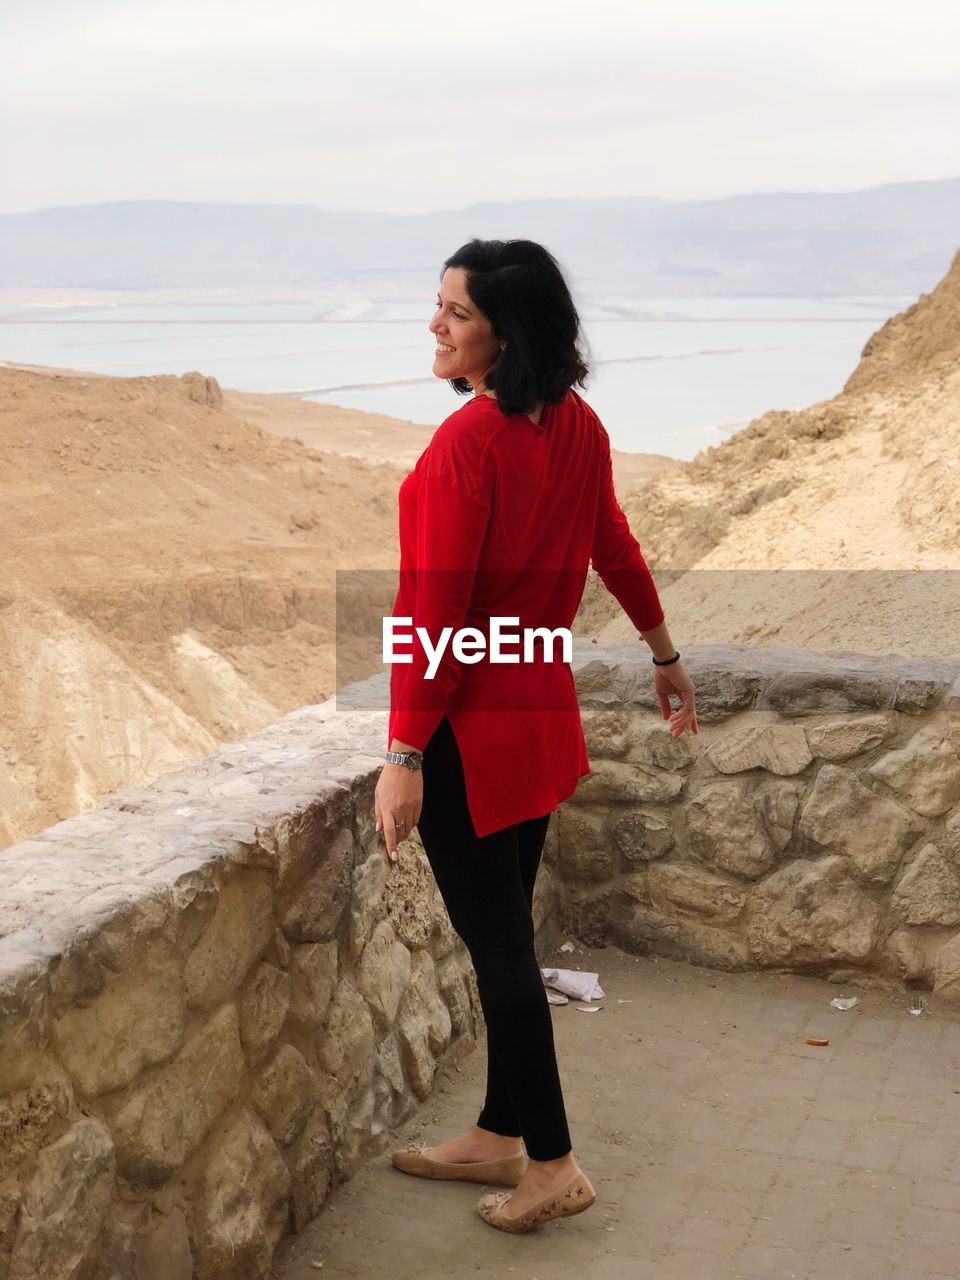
{"x":217,"y":996}
{"x":812,"y":825}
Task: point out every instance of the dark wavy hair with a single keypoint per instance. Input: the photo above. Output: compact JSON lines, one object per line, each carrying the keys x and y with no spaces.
{"x":519,"y":287}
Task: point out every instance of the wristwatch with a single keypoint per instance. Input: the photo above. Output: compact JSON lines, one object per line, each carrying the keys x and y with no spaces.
{"x":411,"y":760}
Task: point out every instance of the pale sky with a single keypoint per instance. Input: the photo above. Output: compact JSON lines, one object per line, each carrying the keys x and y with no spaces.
{"x":404,"y":106}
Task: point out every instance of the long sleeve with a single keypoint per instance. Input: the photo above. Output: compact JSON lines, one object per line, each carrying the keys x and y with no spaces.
{"x":453,"y":511}
{"x":616,"y":554}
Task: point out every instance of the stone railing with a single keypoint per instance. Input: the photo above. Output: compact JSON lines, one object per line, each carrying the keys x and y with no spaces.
{"x":217,"y":996}
{"x":812,"y":825}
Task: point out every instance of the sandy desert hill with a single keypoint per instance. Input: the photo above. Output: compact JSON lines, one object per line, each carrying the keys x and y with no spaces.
{"x":170,"y":570}
{"x":168,"y":578}
{"x":171,"y":550}
{"x":833,"y":527}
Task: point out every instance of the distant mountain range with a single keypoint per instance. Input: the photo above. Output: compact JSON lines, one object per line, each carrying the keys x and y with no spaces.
{"x":887,"y":240}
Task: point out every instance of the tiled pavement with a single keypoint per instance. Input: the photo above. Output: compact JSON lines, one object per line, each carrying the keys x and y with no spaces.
{"x":722,"y":1147}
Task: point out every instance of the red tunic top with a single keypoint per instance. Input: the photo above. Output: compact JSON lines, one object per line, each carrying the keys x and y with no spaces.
{"x":501,"y":517}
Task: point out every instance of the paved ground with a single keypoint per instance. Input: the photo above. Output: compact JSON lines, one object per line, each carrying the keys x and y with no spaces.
{"x":721,"y":1146}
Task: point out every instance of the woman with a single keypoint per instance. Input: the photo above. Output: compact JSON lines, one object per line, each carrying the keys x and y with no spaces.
{"x":504,"y":511}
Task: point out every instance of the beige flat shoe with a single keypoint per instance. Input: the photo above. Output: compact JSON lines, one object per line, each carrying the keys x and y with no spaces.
{"x":505,"y":1172}
{"x":577,"y":1195}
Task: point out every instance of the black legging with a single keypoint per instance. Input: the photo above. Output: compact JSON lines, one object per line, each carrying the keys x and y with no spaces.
{"x":487,"y":886}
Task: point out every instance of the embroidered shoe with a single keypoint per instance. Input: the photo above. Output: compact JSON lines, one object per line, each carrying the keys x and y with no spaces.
{"x":577,"y":1195}
{"x":505,"y":1172}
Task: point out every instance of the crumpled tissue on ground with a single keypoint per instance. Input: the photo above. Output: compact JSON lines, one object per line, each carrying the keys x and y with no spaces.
{"x":572,"y":982}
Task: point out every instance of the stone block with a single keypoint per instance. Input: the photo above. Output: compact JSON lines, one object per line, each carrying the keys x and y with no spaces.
{"x":64,"y":1203}
{"x":388,"y":1075}
{"x":443,"y":937}
{"x":382,"y":974}
{"x":740,"y":829}
{"x":368,"y":881}
{"x":310,"y":1162}
{"x":849,"y":736}
{"x":11,"y":1195}
{"x":264,"y":1003}
{"x":298,"y":838}
{"x":690,"y":889}
{"x":345,"y":1042}
{"x":928,"y":892}
{"x":137,"y":1021}
{"x":285,"y":1092}
{"x":311,"y":909}
{"x":113,"y":1254}
{"x":109,"y":938}
{"x":636,"y":885}
{"x":453,"y":990}
{"x":595,"y":677}
{"x":952,"y":708}
{"x":907,"y":955}
{"x":409,"y":896}
{"x":721,"y":692}
{"x":586,"y":851}
{"x":641,"y":835}
{"x":917,"y":694}
{"x":777,"y":748}
{"x":351,"y":1128}
{"x":423,"y":1026}
{"x":24,"y":1018}
{"x":162,"y":1250}
{"x":946,"y":970}
{"x":606,"y":731}
{"x":627,"y":783}
{"x":645,"y":929}
{"x":240,"y":1211}
{"x":29,"y":1116}
{"x":810,"y":914}
{"x":653,"y":745}
{"x":806,"y":693}
{"x":164,"y":1116}
{"x":842,"y":815}
{"x":586,"y":912}
{"x":239,"y":929}
{"x":314,"y":973}
{"x":925,"y":772}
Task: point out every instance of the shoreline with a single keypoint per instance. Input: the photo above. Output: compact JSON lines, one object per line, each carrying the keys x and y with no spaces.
{"x":669,"y":382}
{"x":380,"y":438}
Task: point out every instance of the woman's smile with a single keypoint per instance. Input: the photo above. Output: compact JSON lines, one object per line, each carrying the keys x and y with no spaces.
{"x":476,"y":347}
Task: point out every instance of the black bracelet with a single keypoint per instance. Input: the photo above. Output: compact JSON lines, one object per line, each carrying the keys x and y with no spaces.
{"x":665,"y":662}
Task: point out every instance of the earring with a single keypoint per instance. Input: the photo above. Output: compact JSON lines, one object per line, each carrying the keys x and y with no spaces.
{"x":503,"y":346}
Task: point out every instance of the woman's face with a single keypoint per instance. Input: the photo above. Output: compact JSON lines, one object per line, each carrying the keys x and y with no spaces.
{"x":466,"y":344}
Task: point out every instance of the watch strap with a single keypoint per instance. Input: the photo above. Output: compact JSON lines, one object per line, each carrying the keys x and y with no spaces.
{"x":409,"y":759}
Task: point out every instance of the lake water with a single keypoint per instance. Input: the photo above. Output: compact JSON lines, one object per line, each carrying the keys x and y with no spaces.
{"x":668,"y":376}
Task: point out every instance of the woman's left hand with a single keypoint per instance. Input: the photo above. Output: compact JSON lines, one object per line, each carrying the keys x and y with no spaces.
{"x":398,"y":800}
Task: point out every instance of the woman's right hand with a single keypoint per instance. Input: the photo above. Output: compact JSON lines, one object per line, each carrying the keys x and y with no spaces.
{"x":674,"y":679}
